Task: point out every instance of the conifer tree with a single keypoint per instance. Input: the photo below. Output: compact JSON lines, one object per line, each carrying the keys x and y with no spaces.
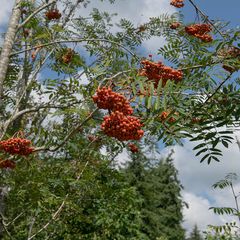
{"x":159,"y":187}
{"x":195,"y":234}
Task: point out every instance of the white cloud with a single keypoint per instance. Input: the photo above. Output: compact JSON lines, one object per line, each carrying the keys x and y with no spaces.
{"x":198,"y":178}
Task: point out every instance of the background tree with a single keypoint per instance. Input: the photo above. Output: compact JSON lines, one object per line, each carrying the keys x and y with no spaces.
{"x":160,"y":190}
{"x":195,"y":234}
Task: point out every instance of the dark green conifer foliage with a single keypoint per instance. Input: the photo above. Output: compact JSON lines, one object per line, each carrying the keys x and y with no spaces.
{"x":195,"y":234}
{"x":159,"y":187}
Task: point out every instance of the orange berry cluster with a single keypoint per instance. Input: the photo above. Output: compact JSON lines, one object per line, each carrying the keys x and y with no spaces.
{"x":68,"y":56}
{"x":158,"y":71}
{"x":177,"y":3}
{"x":7,"y":164}
{"x":175,"y":25}
{"x":164,"y":115}
{"x":200,"y":31}
{"x":17,"y":146}
{"x":107,"y":99}
{"x":122,"y":127}
{"x":133,"y":148}
{"x":53,"y":14}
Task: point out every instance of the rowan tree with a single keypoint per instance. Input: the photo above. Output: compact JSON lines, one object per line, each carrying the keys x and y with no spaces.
{"x":53,"y":61}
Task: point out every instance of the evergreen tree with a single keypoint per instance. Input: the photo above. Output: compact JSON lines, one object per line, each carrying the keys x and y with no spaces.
{"x":160,"y":189}
{"x":195,"y":234}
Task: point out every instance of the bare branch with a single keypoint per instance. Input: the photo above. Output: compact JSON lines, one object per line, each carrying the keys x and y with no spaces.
{"x":76,"y":41}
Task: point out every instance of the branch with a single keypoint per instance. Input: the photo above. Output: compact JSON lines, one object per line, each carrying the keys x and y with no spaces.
{"x":8,"y":45}
{"x":54,"y":216}
{"x":69,"y":135}
{"x":5,"y":126}
{"x":206,"y":17}
{"x":35,"y":13}
{"x":75,"y":41}
{"x":71,"y":11}
{"x":36,"y":109}
{"x":216,"y":90}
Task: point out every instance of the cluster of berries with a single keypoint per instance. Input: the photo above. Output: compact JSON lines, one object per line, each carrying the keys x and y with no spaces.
{"x":175,"y":25}
{"x":158,"y":71}
{"x":164,"y":115}
{"x":53,"y":14}
{"x":17,"y":146}
{"x":122,"y":127}
{"x":233,"y":51}
{"x":107,"y":99}
{"x":68,"y":56}
{"x":7,"y":164}
{"x":200,"y":31}
{"x":119,"y":123}
{"x":133,"y":148}
{"x":177,"y":3}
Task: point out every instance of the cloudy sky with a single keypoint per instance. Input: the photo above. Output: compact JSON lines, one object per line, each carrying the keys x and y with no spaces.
{"x":197,"y":178}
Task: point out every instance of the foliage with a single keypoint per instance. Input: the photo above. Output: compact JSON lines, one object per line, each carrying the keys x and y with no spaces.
{"x":157,"y":183}
{"x":56,"y":65}
{"x":228,"y":230}
{"x":195,"y":234}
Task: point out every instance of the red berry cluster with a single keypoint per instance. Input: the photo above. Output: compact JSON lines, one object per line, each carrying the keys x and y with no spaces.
{"x":68,"y":56}
{"x":107,"y":99}
{"x":200,"y":31}
{"x":122,"y":127}
{"x":53,"y":14}
{"x":133,"y":148}
{"x":17,"y":146}
{"x":7,"y":164}
{"x":175,"y":25}
{"x":177,"y":3}
{"x":158,"y":71}
{"x":164,"y":115}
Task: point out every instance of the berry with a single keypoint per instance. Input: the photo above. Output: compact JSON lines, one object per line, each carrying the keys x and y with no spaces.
{"x":177,"y":3}
{"x":105,"y":98}
{"x":7,"y":164}
{"x":68,"y":56}
{"x":157,"y":71}
{"x":53,"y":14}
{"x":164,"y":115}
{"x":175,"y":25}
{"x":122,"y":127}
{"x":18,"y":146}
{"x":200,"y":31}
{"x":195,"y":120}
{"x":133,"y":148}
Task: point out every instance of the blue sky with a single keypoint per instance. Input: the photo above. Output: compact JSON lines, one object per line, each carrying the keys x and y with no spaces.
{"x":216,"y":9}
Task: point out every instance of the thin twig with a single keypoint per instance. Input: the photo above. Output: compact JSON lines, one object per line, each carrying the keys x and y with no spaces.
{"x":216,"y":90}
{"x":75,"y":41}
{"x":235,"y":199}
{"x":69,"y":135}
{"x":207,"y":18}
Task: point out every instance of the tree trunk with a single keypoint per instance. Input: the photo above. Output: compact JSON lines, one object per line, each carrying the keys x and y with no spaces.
{"x":8,"y":44}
